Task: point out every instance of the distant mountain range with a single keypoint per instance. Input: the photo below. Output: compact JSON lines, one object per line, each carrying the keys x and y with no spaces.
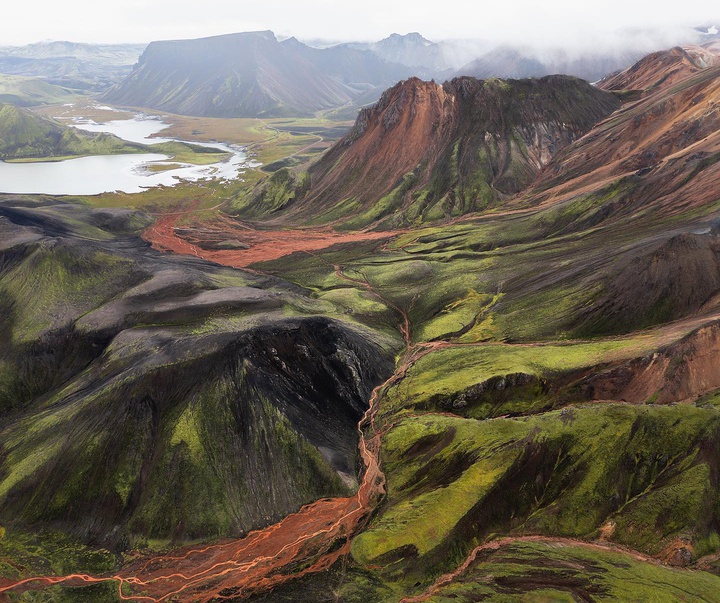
{"x":254,"y":74}
{"x":251,"y":75}
{"x":509,"y":62}
{"x":90,"y":67}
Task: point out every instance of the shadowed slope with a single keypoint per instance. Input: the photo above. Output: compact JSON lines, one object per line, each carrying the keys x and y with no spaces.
{"x":166,"y":397}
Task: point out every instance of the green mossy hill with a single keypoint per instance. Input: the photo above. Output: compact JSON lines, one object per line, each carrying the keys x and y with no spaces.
{"x":24,"y":135}
{"x":273,"y":194}
{"x":153,"y":397}
{"x":30,"y":91}
{"x":647,"y":471}
{"x":558,"y":572}
{"x":551,"y":571}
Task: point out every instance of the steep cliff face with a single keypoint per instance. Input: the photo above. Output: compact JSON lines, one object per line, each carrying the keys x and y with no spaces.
{"x":151,"y":396}
{"x":681,"y":372}
{"x":427,"y":151}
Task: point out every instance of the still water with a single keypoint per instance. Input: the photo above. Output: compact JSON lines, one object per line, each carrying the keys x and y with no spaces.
{"x":108,"y":173}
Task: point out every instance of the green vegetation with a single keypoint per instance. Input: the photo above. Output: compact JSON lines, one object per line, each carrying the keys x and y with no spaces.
{"x":556,"y":571}
{"x":120,"y":416}
{"x":55,"y":282}
{"x":24,"y":135}
{"x":453,"y":482}
{"x":190,"y":153}
{"x":29,"y":91}
{"x":24,"y":554}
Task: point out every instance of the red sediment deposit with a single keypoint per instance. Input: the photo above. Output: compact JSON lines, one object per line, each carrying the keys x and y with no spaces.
{"x":247,"y":245}
{"x":308,"y":541}
{"x":312,"y":539}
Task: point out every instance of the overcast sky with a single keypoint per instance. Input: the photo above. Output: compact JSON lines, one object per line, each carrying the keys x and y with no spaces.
{"x":567,"y":22}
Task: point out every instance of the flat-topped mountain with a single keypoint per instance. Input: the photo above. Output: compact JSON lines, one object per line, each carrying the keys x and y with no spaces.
{"x":250,"y":75}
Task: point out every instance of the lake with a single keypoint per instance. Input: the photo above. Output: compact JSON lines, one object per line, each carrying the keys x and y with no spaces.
{"x":124,"y":173}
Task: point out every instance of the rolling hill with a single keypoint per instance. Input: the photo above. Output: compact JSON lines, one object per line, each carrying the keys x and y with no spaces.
{"x":25,"y":135}
{"x":86,"y":67}
{"x":29,"y":92}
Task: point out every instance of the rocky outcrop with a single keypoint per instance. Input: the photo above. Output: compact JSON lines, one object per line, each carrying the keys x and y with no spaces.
{"x":681,"y":372}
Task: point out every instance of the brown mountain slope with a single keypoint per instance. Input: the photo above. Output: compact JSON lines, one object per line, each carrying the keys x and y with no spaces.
{"x":651,"y":152}
{"x":662,"y":68}
{"x":425,"y":151}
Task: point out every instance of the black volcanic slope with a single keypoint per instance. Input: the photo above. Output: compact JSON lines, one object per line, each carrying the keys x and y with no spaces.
{"x":167,"y":397}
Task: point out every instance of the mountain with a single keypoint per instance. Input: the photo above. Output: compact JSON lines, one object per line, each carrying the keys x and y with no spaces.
{"x":660,"y":150}
{"x":24,"y":135}
{"x":410,"y":49}
{"x":427,"y":151}
{"x":360,"y":69}
{"x":167,"y":398}
{"x":662,"y":68}
{"x":88,"y":67}
{"x":250,"y":75}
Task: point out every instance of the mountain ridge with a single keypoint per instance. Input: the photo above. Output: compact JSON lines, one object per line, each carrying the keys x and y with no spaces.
{"x":429,"y":151}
